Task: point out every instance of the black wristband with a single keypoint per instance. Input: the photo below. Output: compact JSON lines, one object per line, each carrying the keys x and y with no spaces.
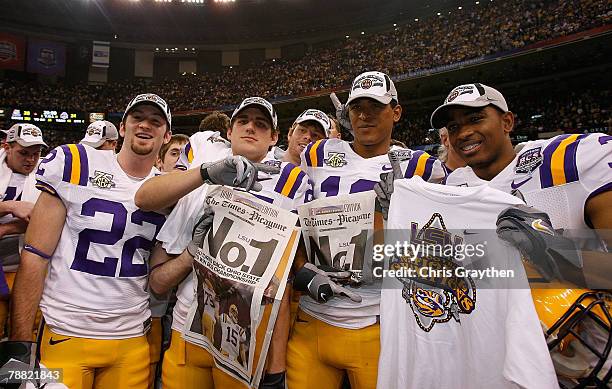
{"x":272,"y":379}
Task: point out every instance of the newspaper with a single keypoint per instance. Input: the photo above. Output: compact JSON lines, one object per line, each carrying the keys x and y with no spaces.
{"x":240,"y":275}
{"x":339,"y":231}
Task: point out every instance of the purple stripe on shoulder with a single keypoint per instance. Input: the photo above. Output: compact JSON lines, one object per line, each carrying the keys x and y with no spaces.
{"x":569,"y":160}
{"x":296,"y":184}
{"x":320,"y":153}
{"x":307,"y":154}
{"x":546,"y":179}
{"x":67,"y":163}
{"x":428,"y":168}
{"x":280,"y":184}
{"x":412,"y":164}
{"x":84,"y":165}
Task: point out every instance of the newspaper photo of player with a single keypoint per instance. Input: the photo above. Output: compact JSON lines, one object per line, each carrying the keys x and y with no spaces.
{"x":222,"y":314}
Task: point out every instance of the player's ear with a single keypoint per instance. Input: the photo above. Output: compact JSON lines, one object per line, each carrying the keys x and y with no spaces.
{"x":397,"y":113}
{"x":508,"y":122}
{"x":274,"y":138}
{"x":122,"y":129}
{"x":229,"y":133}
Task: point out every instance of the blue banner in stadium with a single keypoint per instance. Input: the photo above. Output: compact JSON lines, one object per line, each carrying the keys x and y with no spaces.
{"x":45,"y":57}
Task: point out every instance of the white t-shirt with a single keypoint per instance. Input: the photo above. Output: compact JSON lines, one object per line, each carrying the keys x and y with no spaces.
{"x":483,"y":335}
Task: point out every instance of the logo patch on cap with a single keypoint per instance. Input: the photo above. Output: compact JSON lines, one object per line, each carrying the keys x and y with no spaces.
{"x":368,"y":81}
{"x":366,"y":84}
{"x":30,"y":131}
{"x":94,"y":131}
{"x":461,"y":90}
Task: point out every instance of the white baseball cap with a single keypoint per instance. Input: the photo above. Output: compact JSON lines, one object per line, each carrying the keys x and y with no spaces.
{"x":374,"y":85}
{"x":317,"y":116}
{"x":99,"y":132}
{"x":152,"y":99}
{"x":259,"y":102}
{"x":24,"y":134}
{"x":468,"y":95}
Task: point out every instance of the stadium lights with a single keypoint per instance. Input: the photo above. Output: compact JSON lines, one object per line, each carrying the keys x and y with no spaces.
{"x":346,"y":36}
{"x":225,"y":1}
{"x":416,"y":19}
{"x":460,"y":7}
{"x":362,"y":32}
{"x":394,"y":24}
{"x":439,"y":14}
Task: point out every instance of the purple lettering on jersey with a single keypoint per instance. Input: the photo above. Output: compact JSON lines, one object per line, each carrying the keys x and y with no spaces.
{"x":128,"y":268}
{"x":108,"y":268}
{"x":50,"y":157}
{"x":605,"y":139}
{"x":362,"y":186}
{"x":331,"y":186}
{"x":10,"y":193}
{"x":88,"y":236}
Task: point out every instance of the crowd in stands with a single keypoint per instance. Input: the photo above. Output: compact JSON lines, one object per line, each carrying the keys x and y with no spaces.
{"x":464,"y":34}
{"x":572,"y":112}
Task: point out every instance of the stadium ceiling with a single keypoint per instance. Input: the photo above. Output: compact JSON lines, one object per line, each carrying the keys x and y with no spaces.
{"x":210,"y":21}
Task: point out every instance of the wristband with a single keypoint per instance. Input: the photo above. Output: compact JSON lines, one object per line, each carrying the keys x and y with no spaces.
{"x":36,"y":251}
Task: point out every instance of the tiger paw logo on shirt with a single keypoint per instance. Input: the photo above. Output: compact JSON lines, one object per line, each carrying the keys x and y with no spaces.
{"x":432,"y":287}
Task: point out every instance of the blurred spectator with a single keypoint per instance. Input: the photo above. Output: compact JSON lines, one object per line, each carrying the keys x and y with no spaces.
{"x":215,"y":121}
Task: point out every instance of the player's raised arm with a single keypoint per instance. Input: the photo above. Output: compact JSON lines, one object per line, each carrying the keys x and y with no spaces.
{"x":41,"y":240}
{"x":165,"y":190}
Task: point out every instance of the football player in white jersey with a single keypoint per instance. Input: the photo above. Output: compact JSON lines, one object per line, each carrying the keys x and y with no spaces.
{"x":309,"y":127}
{"x":253,"y":130}
{"x":233,"y":336}
{"x":19,"y":156}
{"x":569,"y":177}
{"x":86,"y":254}
{"x":101,"y":135}
{"x":342,"y":335}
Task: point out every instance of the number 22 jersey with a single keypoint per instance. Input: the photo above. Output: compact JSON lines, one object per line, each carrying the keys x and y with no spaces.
{"x":96,"y":282}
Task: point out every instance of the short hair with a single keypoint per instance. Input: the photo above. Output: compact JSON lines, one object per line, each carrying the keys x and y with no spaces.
{"x":215,"y":121}
{"x":395,"y":142}
{"x":176,"y":138}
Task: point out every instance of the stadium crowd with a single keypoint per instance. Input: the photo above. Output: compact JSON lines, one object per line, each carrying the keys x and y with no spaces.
{"x":464,"y":34}
{"x":588,"y":110}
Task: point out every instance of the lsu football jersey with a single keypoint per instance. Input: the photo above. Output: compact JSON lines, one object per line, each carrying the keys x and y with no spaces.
{"x":96,"y":283}
{"x":557,"y":175}
{"x":287,"y":189}
{"x":457,"y":329}
{"x":335,"y":169}
{"x":232,"y":334}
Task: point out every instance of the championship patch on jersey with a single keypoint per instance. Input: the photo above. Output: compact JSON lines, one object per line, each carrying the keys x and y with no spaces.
{"x":432,"y":287}
{"x":102,"y":180}
{"x":529,"y":161}
{"x":335,"y":159}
